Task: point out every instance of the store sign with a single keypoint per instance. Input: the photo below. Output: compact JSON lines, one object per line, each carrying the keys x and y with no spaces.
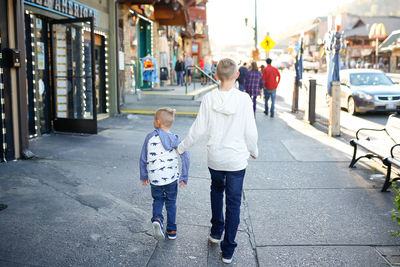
{"x":70,"y":8}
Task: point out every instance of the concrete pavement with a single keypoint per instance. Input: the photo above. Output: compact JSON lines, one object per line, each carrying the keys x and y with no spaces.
{"x":80,"y":203}
{"x":186,"y":100}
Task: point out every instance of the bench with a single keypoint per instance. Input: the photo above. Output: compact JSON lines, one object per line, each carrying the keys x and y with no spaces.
{"x":385,"y":147}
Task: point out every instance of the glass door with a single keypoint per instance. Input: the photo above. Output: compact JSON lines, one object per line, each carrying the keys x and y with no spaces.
{"x":73,"y":70}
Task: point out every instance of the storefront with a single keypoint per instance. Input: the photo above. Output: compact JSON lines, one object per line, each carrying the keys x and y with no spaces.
{"x":66,"y":66}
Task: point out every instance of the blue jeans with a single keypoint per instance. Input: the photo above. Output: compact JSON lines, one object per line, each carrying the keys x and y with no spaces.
{"x":254,"y":98}
{"x":179,"y":77}
{"x":232,"y":183}
{"x":165,"y":194}
{"x":268,"y":94}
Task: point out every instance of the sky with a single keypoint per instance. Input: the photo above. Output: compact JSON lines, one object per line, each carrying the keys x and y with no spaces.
{"x":226,"y":18}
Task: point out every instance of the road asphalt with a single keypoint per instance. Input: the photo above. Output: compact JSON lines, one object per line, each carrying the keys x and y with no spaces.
{"x":80,"y":202}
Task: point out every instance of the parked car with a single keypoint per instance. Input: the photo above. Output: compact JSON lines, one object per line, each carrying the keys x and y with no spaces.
{"x":310,"y":66}
{"x":365,"y":90}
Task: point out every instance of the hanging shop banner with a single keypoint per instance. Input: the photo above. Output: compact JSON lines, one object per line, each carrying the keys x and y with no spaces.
{"x":69,"y":8}
{"x":148,"y":10}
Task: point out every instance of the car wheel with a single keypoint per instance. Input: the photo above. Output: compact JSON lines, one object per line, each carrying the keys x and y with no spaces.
{"x":351,"y":106}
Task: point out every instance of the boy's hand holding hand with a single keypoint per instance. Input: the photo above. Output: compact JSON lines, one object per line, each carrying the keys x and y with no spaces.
{"x":144,"y":182}
{"x":182,"y":183}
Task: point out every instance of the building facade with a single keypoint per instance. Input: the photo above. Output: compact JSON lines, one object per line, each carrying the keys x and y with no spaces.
{"x":64,"y":79}
{"x":65,"y":64}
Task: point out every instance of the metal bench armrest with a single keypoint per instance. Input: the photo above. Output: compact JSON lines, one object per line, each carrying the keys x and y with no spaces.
{"x":391,"y":150}
{"x":368,"y":129}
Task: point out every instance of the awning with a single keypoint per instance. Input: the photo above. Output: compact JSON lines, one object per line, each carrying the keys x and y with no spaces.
{"x":174,"y":14}
{"x":138,"y":2}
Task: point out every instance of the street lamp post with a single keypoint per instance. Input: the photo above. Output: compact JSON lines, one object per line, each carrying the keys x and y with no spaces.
{"x":255,"y":25}
{"x":255,"y":51}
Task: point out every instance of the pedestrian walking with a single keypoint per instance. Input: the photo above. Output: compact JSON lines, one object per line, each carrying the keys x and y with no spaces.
{"x":159,"y":167}
{"x":202,"y":62}
{"x":242,"y":75}
{"x":226,"y":118}
{"x":207,"y":70}
{"x":253,"y":84}
{"x":271,"y":79}
{"x":188,"y":68}
{"x":179,"y":69}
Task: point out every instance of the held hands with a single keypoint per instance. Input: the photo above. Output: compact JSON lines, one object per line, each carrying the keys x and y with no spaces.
{"x":146,"y":182}
{"x":253,"y":157}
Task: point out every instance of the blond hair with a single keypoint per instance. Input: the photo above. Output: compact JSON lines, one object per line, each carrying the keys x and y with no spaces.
{"x":166,"y":116}
{"x":226,"y":69}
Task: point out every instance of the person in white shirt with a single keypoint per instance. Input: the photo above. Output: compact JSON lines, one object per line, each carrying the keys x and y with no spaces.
{"x":226,"y":117}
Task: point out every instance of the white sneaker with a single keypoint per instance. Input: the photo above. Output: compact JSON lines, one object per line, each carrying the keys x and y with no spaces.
{"x":227,"y":261}
{"x":213,"y":240}
{"x":158,"y":231}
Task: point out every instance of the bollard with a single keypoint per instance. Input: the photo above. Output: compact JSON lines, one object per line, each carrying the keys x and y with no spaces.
{"x":334,"y":110}
{"x":295,"y":98}
{"x":309,"y":112}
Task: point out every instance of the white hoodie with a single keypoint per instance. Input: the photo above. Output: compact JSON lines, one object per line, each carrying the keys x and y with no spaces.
{"x":227,"y":119}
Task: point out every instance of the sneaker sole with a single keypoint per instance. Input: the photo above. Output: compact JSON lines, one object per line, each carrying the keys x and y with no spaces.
{"x":158,"y":234}
{"x":171,"y":237}
{"x":227,"y":261}
{"x":213,"y":240}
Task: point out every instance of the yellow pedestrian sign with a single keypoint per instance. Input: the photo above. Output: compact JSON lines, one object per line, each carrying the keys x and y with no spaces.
{"x":267,"y":44}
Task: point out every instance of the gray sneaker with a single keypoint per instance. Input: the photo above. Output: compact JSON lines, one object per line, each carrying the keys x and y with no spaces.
{"x":214,"y":239}
{"x":158,"y":229}
{"x":227,"y":261}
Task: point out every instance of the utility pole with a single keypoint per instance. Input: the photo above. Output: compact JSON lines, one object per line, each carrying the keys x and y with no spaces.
{"x":256,"y":53}
{"x":255,"y":25}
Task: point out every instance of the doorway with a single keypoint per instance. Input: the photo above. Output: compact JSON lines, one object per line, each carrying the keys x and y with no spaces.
{"x":144,"y":44}
{"x":74,"y":75}
{"x":100,"y":70}
{"x":38,"y":74}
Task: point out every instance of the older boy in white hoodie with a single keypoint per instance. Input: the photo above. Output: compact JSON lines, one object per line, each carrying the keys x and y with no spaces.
{"x":226,"y":117}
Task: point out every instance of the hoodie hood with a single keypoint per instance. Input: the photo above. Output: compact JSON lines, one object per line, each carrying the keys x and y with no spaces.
{"x":169,"y":140}
{"x":224,"y":102}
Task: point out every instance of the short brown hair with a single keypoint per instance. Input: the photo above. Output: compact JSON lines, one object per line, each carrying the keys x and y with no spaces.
{"x":226,"y":69}
{"x":166,"y":116}
{"x":254,"y":65}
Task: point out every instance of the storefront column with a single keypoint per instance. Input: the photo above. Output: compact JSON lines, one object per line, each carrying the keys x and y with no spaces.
{"x":112,"y":62}
{"x":21,"y":74}
{"x":13,"y":78}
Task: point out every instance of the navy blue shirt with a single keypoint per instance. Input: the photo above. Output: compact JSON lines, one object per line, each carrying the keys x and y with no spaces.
{"x":242,"y":74}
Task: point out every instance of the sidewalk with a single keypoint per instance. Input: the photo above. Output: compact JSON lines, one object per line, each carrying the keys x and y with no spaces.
{"x":186,"y":101}
{"x":81,"y":203}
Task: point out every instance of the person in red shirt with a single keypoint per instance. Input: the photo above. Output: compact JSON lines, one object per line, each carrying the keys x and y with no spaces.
{"x":271,"y":78}
{"x":201,"y":65}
